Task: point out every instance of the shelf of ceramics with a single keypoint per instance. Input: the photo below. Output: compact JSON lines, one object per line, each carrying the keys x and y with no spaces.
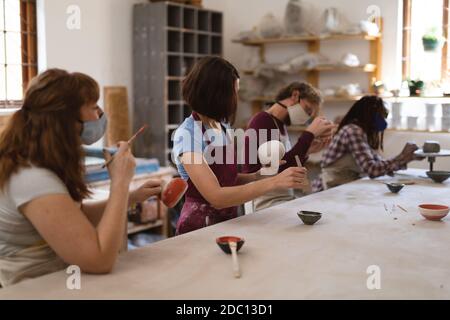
{"x":338,"y":68}
{"x":260,"y":42}
{"x":326,"y":99}
{"x":417,"y":130}
{"x":429,"y":100}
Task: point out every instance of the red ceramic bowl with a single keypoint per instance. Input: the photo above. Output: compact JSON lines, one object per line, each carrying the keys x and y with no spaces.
{"x":173,"y":192}
{"x":222,"y":242}
{"x":434,"y":212}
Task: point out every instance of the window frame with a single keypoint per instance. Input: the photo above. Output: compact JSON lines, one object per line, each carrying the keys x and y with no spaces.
{"x":28,"y":31}
{"x":406,"y":39}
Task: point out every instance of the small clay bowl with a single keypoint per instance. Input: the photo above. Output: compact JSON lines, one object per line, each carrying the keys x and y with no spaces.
{"x":309,"y":217}
{"x":438,"y":176}
{"x":222,"y":242}
{"x":434,"y":212}
{"x":173,"y":192}
{"x":431,"y":147}
{"x":395,"y":187}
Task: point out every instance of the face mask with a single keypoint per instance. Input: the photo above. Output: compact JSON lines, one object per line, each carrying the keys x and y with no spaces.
{"x":380,"y":123}
{"x":297,"y":114}
{"x":93,"y":130}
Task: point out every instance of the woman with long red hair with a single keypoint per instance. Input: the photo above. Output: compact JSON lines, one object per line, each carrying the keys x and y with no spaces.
{"x":44,"y":223}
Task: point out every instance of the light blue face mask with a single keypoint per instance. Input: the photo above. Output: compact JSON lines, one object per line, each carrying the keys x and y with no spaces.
{"x":93,"y":130}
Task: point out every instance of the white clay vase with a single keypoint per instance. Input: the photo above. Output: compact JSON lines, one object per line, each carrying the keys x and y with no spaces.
{"x":270,"y":153}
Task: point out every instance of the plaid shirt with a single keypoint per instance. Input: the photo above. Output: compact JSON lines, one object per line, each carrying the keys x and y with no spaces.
{"x":352,"y":139}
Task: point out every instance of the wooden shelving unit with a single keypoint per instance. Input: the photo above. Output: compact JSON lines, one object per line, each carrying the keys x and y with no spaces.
{"x":332,"y":68}
{"x":418,"y":130}
{"x":168,"y":39}
{"x":262,"y":42}
{"x":262,"y":99}
{"x":372,"y":68}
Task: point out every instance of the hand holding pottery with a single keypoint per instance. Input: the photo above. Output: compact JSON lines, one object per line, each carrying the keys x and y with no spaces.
{"x":293,"y":177}
{"x":321,"y":127}
{"x":151,"y":187}
{"x":408,"y":151}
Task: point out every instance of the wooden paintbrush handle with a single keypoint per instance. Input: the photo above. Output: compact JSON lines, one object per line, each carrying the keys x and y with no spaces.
{"x":142,"y":129}
{"x":299,"y":163}
{"x":236,"y":270}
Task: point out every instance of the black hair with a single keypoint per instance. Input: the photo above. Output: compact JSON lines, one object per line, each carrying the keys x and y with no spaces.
{"x":363,"y":113}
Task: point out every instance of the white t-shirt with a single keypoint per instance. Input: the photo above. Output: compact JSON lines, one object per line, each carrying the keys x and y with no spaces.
{"x":23,"y":252}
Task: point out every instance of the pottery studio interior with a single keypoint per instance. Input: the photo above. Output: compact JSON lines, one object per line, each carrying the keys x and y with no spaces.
{"x":164,"y":146}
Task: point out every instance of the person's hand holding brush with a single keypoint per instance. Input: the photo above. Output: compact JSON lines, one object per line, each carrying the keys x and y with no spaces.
{"x":121,"y":170}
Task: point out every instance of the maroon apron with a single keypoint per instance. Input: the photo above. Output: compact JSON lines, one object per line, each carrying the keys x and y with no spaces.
{"x":197,"y":212}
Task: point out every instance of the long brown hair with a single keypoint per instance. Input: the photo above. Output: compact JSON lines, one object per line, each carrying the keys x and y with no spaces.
{"x":44,"y":132}
{"x":362,"y":113}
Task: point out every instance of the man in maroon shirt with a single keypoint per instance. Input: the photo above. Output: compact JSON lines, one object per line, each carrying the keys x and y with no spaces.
{"x":296,"y":104}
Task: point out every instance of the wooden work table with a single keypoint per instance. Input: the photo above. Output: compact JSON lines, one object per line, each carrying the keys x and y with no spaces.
{"x":284,"y":259}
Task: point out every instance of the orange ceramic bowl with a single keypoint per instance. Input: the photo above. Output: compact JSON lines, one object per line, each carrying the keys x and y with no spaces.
{"x":434,"y":212}
{"x":173,"y":192}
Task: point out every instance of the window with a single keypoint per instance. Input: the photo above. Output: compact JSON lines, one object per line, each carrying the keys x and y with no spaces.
{"x":18,"y":49}
{"x":425,"y":59}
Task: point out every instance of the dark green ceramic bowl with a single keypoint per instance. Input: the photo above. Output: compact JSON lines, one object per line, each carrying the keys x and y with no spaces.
{"x":395,"y":187}
{"x":309,"y":217}
{"x":438,"y":176}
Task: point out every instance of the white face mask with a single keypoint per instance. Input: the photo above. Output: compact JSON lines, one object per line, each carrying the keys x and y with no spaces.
{"x":93,"y":130}
{"x":297,"y":114}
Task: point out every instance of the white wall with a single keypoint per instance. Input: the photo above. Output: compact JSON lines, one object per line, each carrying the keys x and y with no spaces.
{"x":101,"y":48}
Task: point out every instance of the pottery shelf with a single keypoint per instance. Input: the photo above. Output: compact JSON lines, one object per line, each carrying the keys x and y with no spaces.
{"x":418,"y":130}
{"x":300,"y":129}
{"x":428,"y":122}
{"x":262,"y":99}
{"x":372,"y":68}
{"x":331,"y":68}
{"x":168,"y":39}
{"x":425,"y":99}
{"x":262,"y":42}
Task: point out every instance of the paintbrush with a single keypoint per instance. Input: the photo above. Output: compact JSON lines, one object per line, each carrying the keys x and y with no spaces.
{"x":236,"y":269}
{"x":297,"y":159}
{"x":299,"y":164}
{"x":130,"y":141}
